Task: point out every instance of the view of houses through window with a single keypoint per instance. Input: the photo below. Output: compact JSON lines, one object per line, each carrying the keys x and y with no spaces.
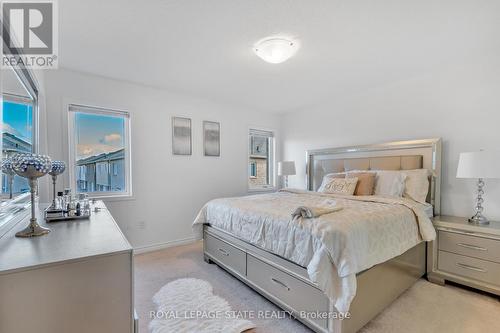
{"x":100,"y":152}
{"x":261,"y":159}
{"x":17,"y":136}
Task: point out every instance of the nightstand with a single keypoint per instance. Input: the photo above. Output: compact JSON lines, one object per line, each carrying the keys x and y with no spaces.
{"x":465,"y":253}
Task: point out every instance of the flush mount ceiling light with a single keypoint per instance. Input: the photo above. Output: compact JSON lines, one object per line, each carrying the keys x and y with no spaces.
{"x":275,"y":50}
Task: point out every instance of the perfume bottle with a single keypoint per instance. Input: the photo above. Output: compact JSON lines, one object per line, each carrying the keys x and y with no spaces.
{"x":83,"y":199}
{"x":78,"y":211}
{"x":67,"y":197}
{"x":59,"y":201}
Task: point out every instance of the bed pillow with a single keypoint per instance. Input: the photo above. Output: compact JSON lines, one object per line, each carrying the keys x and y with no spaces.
{"x":345,"y":186}
{"x":390,"y":183}
{"x":335,"y":175}
{"x":366,"y":182}
{"x":328,"y":177}
{"x":417,"y":184}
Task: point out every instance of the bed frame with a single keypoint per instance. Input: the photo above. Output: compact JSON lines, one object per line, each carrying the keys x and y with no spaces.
{"x":287,"y":284}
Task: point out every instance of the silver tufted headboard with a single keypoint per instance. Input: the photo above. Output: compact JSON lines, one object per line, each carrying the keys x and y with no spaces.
{"x":400,"y":155}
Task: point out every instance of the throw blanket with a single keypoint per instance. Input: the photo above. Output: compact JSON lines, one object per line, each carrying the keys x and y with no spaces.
{"x":310,"y":212}
{"x":334,"y":247}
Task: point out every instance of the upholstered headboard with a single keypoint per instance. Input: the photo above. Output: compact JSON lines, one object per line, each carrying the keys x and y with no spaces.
{"x":401,"y":155}
{"x":367,"y":163}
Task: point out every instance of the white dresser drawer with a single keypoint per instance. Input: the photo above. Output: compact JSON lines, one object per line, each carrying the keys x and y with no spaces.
{"x":477,"y":269}
{"x":226,"y":254}
{"x":469,"y":245}
{"x":295,"y":293}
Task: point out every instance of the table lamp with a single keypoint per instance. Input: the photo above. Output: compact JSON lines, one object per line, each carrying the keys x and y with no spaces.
{"x":286,"y":168}
{"x":479,"y":165}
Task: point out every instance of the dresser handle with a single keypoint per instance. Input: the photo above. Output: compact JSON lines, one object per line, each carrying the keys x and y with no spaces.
{"x":472,"y":268}
{"x":473,"y":247}
{"x":224,"y":252}
{"x":280,"y":283}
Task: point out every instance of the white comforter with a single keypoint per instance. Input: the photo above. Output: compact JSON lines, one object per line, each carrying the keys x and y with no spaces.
{"x":334,"y":247}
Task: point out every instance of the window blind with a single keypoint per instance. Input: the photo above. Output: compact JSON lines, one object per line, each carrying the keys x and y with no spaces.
{"x":97,"y":110}
{"x":256,"y":132}
{"x":17,"y":99}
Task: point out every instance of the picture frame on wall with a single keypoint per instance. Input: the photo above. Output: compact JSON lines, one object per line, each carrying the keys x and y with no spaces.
{"x":181,"y":136}
{"x":211,"y":138}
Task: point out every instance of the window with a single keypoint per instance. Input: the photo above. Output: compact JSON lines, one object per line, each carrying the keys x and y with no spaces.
{"x":17,"y":136}
{"x":261,"y":160}
{"x":100,"y":151}
{"x":253,"y":169}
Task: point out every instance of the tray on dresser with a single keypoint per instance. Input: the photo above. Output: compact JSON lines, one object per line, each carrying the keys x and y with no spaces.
{"x":52,"y":215}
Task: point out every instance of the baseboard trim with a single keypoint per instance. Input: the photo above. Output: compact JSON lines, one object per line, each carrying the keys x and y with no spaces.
{"x":165,"y":245}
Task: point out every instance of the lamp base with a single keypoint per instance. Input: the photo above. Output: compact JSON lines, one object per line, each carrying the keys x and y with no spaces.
{"x":478,"y":219}
{"x":32,"y":230}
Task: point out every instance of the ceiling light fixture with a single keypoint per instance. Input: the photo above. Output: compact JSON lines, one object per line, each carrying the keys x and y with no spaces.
{"x":275,"y":50}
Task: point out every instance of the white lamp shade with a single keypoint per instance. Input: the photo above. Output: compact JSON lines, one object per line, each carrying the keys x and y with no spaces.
{"x":286,"y":168}
{"x":480,"y":164}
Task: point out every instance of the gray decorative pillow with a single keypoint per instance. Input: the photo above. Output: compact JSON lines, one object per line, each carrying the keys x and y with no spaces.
{"x":328,"y":177}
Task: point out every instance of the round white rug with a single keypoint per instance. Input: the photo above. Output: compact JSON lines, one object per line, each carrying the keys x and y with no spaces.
{"x":189,"y":305}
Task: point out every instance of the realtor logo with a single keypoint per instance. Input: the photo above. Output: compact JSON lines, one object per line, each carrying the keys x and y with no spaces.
{"x":30,"y":34}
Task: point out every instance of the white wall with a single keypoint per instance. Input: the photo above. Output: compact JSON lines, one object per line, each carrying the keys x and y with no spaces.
{"x":168,"y":190}
{"x":459,"y":103}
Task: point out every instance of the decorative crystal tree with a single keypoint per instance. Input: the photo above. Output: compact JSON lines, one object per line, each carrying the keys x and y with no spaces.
{"x":57,"y":168}
{"x":7,"y":169}
{"x":32,"y":167}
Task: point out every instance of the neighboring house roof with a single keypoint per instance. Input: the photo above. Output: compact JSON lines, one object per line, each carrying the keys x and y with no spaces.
{"x":104,"y":157}
{"x":14,"y":143}
{"x":11,"y":140}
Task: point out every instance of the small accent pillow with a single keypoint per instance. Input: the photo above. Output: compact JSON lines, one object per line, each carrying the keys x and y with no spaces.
{"x":390,"y":183}
{"x":417,"y":184}
{"x":345,"y":186}
{"x":366,"y":182}
{"x":328,"y":177}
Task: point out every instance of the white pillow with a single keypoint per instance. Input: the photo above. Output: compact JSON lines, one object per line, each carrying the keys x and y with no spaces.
{"x":335,"y":175}
{"x":417,"y":184}
{"x":390,"y":182}
{"x":345,"y":186}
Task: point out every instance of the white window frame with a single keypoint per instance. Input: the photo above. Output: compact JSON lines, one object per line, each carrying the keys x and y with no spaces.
{"x":72,"y":109}
{"x":272,"y":160}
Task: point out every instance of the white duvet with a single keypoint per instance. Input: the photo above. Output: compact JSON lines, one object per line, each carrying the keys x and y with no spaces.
{"x":334,"y":247}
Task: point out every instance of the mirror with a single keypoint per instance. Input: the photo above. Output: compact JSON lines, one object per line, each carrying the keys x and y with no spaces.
{"x":17,"y":134}
{"x":19,"y":116}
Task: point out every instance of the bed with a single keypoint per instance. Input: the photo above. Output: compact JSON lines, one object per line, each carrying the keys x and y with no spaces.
{"x":336,"y":272}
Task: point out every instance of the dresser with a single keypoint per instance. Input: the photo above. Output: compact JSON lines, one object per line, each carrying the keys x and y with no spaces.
{"x":465,"y":253}
{"x":78,"y":278}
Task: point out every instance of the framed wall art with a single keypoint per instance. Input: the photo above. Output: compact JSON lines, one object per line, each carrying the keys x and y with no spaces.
{"x":181,"y":136}
{"x":211,"y":138}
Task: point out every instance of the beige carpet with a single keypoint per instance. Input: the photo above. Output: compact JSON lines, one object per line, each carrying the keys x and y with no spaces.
{"x":425,"y":307}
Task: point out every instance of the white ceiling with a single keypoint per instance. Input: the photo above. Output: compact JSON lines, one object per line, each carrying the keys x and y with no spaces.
{"x":204,"y":47}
